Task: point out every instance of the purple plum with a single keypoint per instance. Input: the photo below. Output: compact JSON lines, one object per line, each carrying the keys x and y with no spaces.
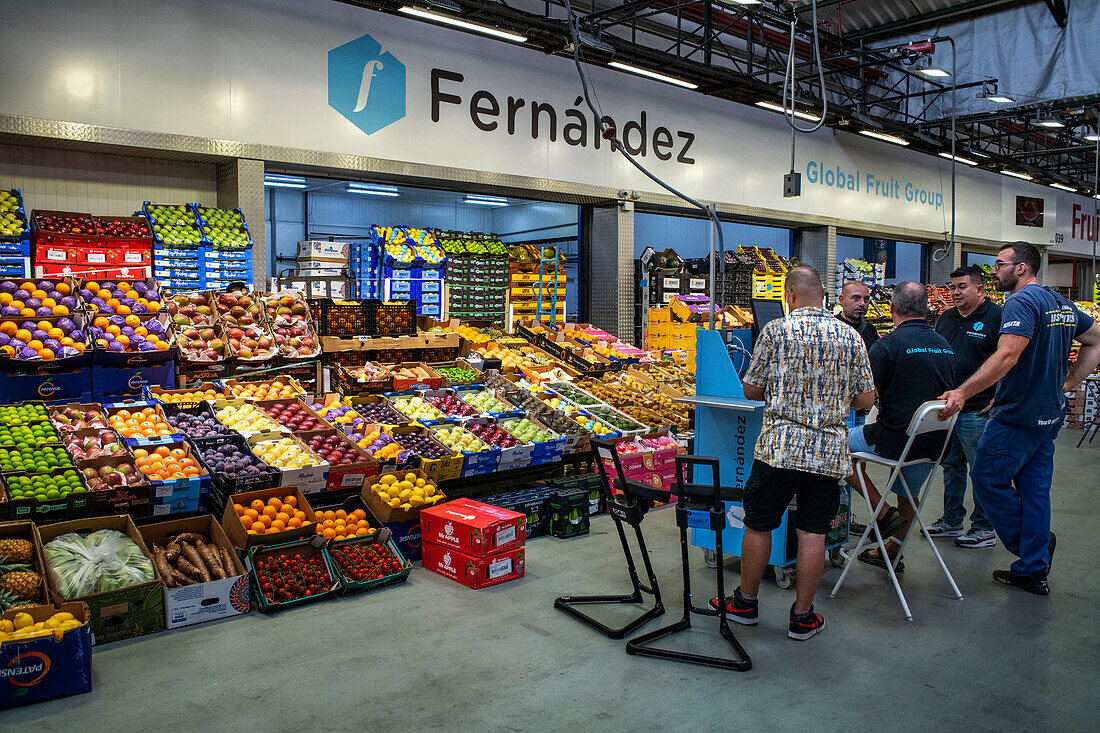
{"x":66,"y":324}
{"x":146,"y":346}
{"x":4,"y":339}
{"x":27,"y":353}
{"x":139,"y":286}
{"x":119,"y":321}
{"x":39,"y":334}
{"x":139,"y":309}
{"x":87,"y":295}
{"x":45,"y":286}
{"x":128,"y":331}
{"x":128,"y":302}
{"x":22,"y":295}
{"x":106,"y":309}
{"x":68,"y":301}
{"x":77,"y":336}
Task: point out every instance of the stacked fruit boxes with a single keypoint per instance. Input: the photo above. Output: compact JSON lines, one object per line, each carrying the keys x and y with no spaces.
{"x":535,"y":272}
{"x":92,"y":247}
{"x":15,"y":236}
{"x":477,"y":275}
{"x":227,"y":253}
{"x":178,"y":263}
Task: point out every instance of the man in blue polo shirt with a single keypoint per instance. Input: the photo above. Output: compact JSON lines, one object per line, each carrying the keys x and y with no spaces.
{"x":1014,"y":464}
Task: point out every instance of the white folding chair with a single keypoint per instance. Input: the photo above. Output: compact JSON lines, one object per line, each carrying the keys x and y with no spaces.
{"x":925,"y":420}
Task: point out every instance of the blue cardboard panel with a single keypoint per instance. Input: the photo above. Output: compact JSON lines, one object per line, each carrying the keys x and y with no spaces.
{"x":67,"y":386}
{"x":406,"y":535}
{"x":46,"y":668}
{"x":108,"y":380}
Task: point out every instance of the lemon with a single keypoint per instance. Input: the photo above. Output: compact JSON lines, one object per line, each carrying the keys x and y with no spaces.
{"x":429,"y":490}
{"x":420,"y":482}
{"x":405,"y":493}
{"x":406,"y":506}
{"x":416,"y":500}
{"x":384,"y":496}
{"x":410,"y":477}
{"x":387,"y":479}
{"x":71,"y":623}
{"x":4,"y":636}
{"x":6,"y":626}
{"x":63,"y":616}
{"x":395,"y":503}
{"x":51,"y":623}
{"x":23,"y":620}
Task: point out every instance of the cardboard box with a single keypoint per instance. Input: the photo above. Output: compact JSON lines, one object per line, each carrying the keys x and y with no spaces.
{"x":308,"y":479}
{"x":47,"y":667}
{"x":473,"y":527}
{"x":237,"y":534}
{"x":472,"y":571}
{"x":406,"y":535}
{"x":389,"y":514}
{"x":324,"y":251}
{"x":193,"y":604}
{"x":118,"y":614}
{"x":25,"y":530}
{"x":345,"y":475}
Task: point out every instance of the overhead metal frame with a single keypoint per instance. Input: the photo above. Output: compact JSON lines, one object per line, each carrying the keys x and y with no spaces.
{"x":739,"y":53}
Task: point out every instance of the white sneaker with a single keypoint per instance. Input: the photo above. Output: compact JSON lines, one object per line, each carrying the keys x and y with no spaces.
{"x":940,"y":528}
{"x":976,"y":537}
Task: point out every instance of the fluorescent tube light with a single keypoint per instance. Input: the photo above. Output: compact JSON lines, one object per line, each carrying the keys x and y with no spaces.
{"x":884,"y":137}
{"x":1064,"y":188}
{"x":958,"y":159}
{"x":999,"y":99}
{"x":464,"y":24}
{"x":978,"y":153}
{"x":372,"y":189}
{"x":933,"y":72}
{"x":1050,"y":123}
{"x":1092,"y":138}
{"x":653,"y":75}
{"x":1014,"y":174}
{"x":275,"y":180}
{"x":779,"y":108}
{"x":481,"y":200}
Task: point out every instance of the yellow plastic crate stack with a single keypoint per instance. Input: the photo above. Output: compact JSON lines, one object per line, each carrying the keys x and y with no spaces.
{"x":526,"y":282}
{"x":767,"y":277}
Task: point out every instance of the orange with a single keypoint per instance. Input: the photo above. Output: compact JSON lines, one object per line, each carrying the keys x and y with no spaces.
{"x":300,"y":516}
{"x":8,"y":328}
{"x":162,"y":345}
{"x":290,"y":501}
{"x":60,"y":310}
{"x":55,"y":333}
{"x":257,"y":504}
{"x":162,"y":450}
{"x":78,"y":346}
{"x":328,"y":524}
{"x":92,"y":285}
{"x":113,"y":330}
{"x":113,"y":302}
{"x":35,"y":344}
{"x":341,"y":514}
{"x":40,"y":294}
{"x":275,"y":502}
{"x":282,"y":517}
{"x":362,"y":523}
{"x":122,"y":310}
{"x":63,"y":288}
{"x":246,"y":522}
{"x":359,"y":514}
{"x":263,"y":520}
{"x":6,"y":298}
{"x":251,"y":514}
{"x":29,"y":287}
{"x":124,"y":286}
{"x":179,"y":452}
{"x":362,"y":531}
{"x":189,"y":472}
{"x":66,"y":341}
{"x":46,"y":354}
{"x":238,"y":508}
{"x":49,"y":302}
{"x":23,"y":335}
{"x":123,"y":339}
{"x":329,"y":514}
{"x":100,"y":322}
{"x":294,"y":523}
{"x":269,"y":511}
{"x":27,"y":313}
{"x":329,"y":532}
{"x":252,"y":531}
{"x":141,"y":330}
{"x":123,"y":414}
{"x":278,"y":526}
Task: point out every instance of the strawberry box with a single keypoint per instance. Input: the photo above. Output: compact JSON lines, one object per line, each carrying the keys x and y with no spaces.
{"x":473,"y":527}
{"x":472,"y":571}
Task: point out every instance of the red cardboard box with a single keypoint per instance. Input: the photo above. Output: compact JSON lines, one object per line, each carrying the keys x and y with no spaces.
{"x":474,"y":572}
{"x":472,"y":527}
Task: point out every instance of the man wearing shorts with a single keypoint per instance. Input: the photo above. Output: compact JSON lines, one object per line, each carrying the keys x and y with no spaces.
{"x":810,"y":369}
{"x":1014,"y":465}
{"x":912,"y":365}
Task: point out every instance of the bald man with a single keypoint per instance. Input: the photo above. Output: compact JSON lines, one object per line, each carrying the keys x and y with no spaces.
{"x":809,"y":369}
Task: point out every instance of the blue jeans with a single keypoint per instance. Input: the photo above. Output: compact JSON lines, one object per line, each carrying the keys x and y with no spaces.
{"x":856,"y":418}
{"x":915,"y":476}
{"x":960,"y":454}
{"x":1011,"y":473}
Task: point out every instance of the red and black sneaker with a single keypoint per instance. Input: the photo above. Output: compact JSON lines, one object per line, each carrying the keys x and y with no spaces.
{"x":740,"y":609}
{"x":803,"y":627}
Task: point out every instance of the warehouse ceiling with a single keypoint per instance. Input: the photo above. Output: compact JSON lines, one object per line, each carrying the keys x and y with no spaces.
{"x":878,"y":59}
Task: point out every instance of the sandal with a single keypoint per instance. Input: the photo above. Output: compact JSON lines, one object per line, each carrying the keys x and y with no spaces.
{"x":871,"y":556}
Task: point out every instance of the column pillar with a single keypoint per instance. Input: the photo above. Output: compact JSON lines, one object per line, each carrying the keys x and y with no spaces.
{"x":241,"y":185}
{"x":817,"y":248}
{"x":611,"y":270}
{"x":940,"y":272}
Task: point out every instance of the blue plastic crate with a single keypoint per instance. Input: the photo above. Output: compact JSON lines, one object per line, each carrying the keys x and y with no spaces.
{"x":176,"y":273}
{"x":16,"y":248}
{"x":15,"y":266}
{"x":394,"y":288}
{"x":429,"y":309}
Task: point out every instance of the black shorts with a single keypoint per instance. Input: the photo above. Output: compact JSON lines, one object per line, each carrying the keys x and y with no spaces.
{"x":769,"y":491}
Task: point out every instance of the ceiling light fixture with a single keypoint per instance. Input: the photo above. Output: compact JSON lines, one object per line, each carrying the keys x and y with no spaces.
{"x":480,"y":200}
{"x":372,"y":189}
{"x":1064,"y":188}
{"x":989,"y":93}
{"x":884,"y":137}
{"x":275,"y":180}
{"x":1014,"y":174}
{"x":958,"y":159}
{"x":779,"y":108}
{"x":1094,"y":137}
{"x":464,"y":24}
{"x":978,"y":153}
{"x":1048,"y":120}
{"x":653,"y":75}
{"x":933,"y":72}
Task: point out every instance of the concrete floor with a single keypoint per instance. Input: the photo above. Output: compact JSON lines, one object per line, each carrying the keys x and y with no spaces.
{"x":433,"y":655}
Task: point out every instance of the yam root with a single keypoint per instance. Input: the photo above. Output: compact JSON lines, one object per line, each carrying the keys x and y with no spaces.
{"x":163,"y":567}
{"x":185,"y":566}
{"x":189,"y":537}
{"x":210,"y":557}
{"x":195,"y":559}
{"x":227,"y":561}
{"x":172,"y":551}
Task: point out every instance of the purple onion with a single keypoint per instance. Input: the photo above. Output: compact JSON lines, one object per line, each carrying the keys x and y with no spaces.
{"x":140,"y":286}
{"x":99,"y":301}
{"x":68,"y":301}
{"x":9,"y":310}
{"x":128,"y":302}
{"x":128,"y":331}
{"x":138,"y":309}
{"x":114,"y":346}
{"x":77,"y":336}
{"x":4,"y":339}
{"x":147,"y":346}
{"x":119,"y":321}
{"x":87,"y":295}
{"x":106,"y":309}
{"x":151,"y":294}
{"x":54,"y":295}
{"x":27,"y":354}
{"x":107,"y":285}
{"x":17,"y":344}
{"x":39,"y":334}
{"x":45,"y":286}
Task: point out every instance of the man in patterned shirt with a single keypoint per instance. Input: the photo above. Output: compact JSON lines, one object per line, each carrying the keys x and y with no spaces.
{"x":809,"y":369}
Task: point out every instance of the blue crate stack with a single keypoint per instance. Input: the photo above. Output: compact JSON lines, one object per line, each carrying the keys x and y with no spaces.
{"x":223,"y":266}
{"x":203,"y":266}
{"x":15,"y":248}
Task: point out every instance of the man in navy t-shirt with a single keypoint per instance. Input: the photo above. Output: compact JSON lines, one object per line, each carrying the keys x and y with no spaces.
{"x":1015,"y":459}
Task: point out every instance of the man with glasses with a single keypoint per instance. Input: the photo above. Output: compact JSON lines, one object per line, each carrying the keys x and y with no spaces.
{"x":1014,"y":464}
{"x":971,"y":327}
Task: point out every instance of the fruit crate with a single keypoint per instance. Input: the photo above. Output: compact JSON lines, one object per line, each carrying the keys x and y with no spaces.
{"x":39,"y":218}
{"x":346,"y":384}
{"x":383,"y":537}
{"x":199,"y":409}
{"x":393,"y":318}
{"x":311,"y":547}
{"x":569,"y":513}
{"x":439,"y":354}
{"x":74,"y":506}
{"x":201,"y":213}
{"x":343,"y":318}
{"x":23,"y":235}
{"x":340,"y":359}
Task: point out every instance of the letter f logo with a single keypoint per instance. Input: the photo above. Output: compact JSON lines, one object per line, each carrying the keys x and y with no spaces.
{"x":369,"y":70}
{"x":366,"y":85}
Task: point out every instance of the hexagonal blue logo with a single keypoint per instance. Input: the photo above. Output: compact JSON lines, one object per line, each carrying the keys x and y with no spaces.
{"x":366,"y":85}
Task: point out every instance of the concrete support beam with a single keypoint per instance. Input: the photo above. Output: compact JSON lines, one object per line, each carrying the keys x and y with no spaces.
{"x":241,"y":185}
{"x":611,"y":273}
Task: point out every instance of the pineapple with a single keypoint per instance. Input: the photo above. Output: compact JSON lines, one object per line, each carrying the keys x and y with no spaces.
{"x":16,"y":551}
{"x":18,"y":585}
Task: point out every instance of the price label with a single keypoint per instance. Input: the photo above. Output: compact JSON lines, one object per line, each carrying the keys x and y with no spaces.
{"x":500,"y":568}
{"x":97,"y":258}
